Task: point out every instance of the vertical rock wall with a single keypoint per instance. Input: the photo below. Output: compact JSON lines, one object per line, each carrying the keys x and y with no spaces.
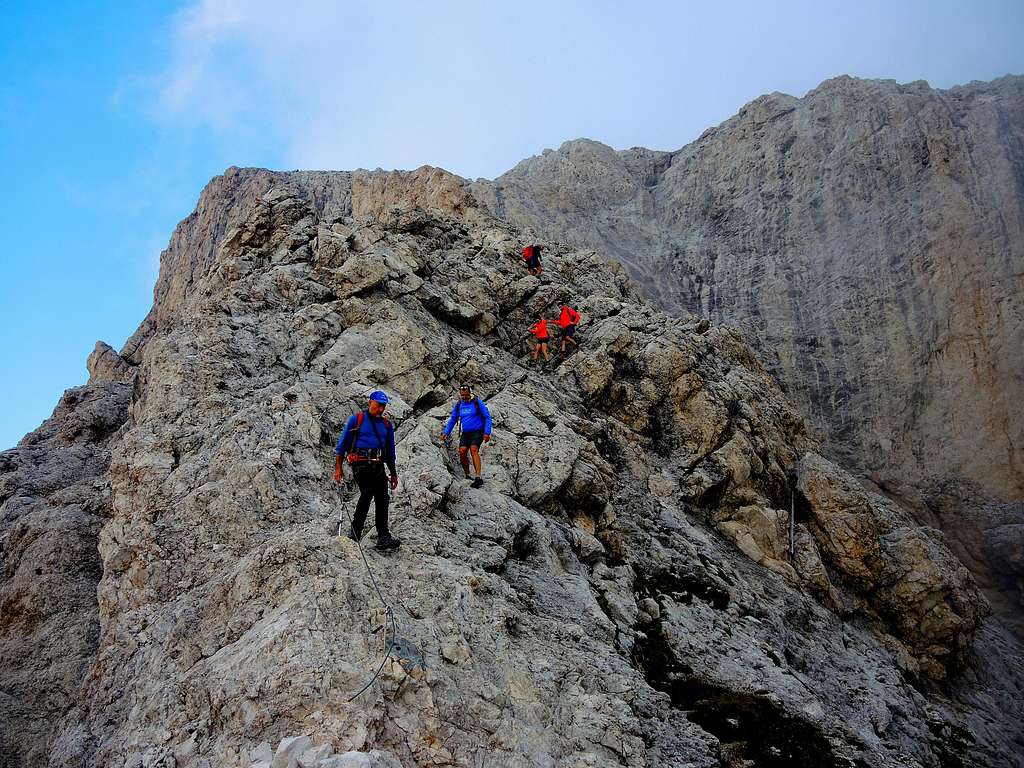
{"x":868,"y":240}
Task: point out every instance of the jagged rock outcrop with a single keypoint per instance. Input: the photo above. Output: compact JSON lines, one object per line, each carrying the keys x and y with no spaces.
{"x":622,"y":590}
{"x":868,"y":240}
{"x":105,"y":364}
{"x":54,"y":498}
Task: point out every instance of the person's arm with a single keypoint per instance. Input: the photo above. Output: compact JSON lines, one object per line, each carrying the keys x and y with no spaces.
{"x":391,"y":455}
{"x":451,"y":421}
{"x":487,"y":419}
{"x":339,"y":450}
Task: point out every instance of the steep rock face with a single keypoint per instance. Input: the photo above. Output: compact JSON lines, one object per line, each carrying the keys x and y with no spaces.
{"x":867,"y":239}
{"x":54,"y":498}
{"x":624,"y":590}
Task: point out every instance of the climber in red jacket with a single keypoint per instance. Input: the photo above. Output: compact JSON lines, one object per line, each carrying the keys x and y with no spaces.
{"x":531,"y":255}
{"x":568,"y":320}
{"x":540,"y":344}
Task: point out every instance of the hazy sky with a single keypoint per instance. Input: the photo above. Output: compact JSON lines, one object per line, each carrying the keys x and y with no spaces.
{"x":114,"y":115}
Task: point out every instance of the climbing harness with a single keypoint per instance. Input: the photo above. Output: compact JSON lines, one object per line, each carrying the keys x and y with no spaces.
{"x":356,"y":455}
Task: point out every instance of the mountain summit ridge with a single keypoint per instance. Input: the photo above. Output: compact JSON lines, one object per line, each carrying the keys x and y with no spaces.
{"x":626,"y":589}
{"x":867,"y":239}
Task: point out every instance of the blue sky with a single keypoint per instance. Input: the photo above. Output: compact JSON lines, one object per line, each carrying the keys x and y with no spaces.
{"x":114,"y":115}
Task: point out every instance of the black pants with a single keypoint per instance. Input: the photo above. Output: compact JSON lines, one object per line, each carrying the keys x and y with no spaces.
{"x":373,"y":484}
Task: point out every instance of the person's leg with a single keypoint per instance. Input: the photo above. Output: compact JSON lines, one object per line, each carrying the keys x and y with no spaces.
{"x":536,"y":351}
{"x":464,"y":459}
{"x":544,"y":349}
{"x":362,"y":477}
{"x":476,"y":459}
{"x":381,"y":500}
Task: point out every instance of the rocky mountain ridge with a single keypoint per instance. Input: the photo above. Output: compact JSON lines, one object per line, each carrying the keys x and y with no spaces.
{"x":868,"y":240}
{"x":624,"y":590}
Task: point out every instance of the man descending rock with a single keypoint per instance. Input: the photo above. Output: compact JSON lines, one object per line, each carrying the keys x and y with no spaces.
{"x":568,"y":320}
{"x":368,"y":445}
{"x":531,"y":255}
{"x":540,"y":344}
{"x":475,"y":424}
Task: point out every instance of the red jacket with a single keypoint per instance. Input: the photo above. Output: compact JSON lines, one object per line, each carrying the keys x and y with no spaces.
{"x":540,"y":329}
{"x":568,"y":317}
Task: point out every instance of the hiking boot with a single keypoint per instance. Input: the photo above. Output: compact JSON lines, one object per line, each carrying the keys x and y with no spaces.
{"x":477,"y":483}
{"x":388,"y":542}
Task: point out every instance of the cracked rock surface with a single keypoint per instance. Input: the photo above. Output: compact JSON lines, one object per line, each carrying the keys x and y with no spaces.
{"x":868,"y":241}
{"x":627,"y":588}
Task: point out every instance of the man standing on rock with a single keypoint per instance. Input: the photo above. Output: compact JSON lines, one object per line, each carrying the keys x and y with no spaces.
{"x":475,"y":424}
{"x":368,"y":445}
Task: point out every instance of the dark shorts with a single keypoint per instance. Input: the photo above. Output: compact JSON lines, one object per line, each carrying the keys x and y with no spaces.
{"x":471,"y":438}
{"x":541,"y":340}
{"x":533,"y":262}
{"x":569,"y":330}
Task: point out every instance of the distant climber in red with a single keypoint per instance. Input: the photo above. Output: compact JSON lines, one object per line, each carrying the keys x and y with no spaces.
{"x":540,"y":345}
{"x":568,"y":321}
{"x":531,"y":255}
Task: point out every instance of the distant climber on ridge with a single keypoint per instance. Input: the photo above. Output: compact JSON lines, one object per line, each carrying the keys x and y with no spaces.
{"x":368,"y":445}
{"x":540,"y":345}
{"x":475,"y":424}
{"x":531,"y":255}
{"x":568,"y":320}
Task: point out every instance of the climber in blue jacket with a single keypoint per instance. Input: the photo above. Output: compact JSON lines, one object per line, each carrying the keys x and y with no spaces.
{"x":475,"y":422}
{"x":368,"y":446}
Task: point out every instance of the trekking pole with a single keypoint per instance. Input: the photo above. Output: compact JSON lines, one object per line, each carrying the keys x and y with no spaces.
{"x":389,"y":613}
{"x":792,"y":525}
{"x":346,"y":484}
{"x":342,"y":514}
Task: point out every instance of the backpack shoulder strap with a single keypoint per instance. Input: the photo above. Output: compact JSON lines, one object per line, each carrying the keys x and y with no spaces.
{"x":479,"y":411}
{"x":355,"y":433}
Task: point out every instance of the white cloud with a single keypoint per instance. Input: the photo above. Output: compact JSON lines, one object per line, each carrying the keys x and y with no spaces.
{"x":199,"y":85}
{"x":476,"y":86}
{"x":400,"y":84}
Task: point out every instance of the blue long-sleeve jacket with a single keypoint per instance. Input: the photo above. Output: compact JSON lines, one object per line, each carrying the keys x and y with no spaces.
{"x":471,"y":421}
{"x":375,"y":434}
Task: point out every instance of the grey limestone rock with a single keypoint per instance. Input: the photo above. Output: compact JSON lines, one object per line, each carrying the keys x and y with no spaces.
{"x":54,"y":499}
{"x":619,"y":592}
{"x":104,"y":364}
{"x":868,"y":240}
